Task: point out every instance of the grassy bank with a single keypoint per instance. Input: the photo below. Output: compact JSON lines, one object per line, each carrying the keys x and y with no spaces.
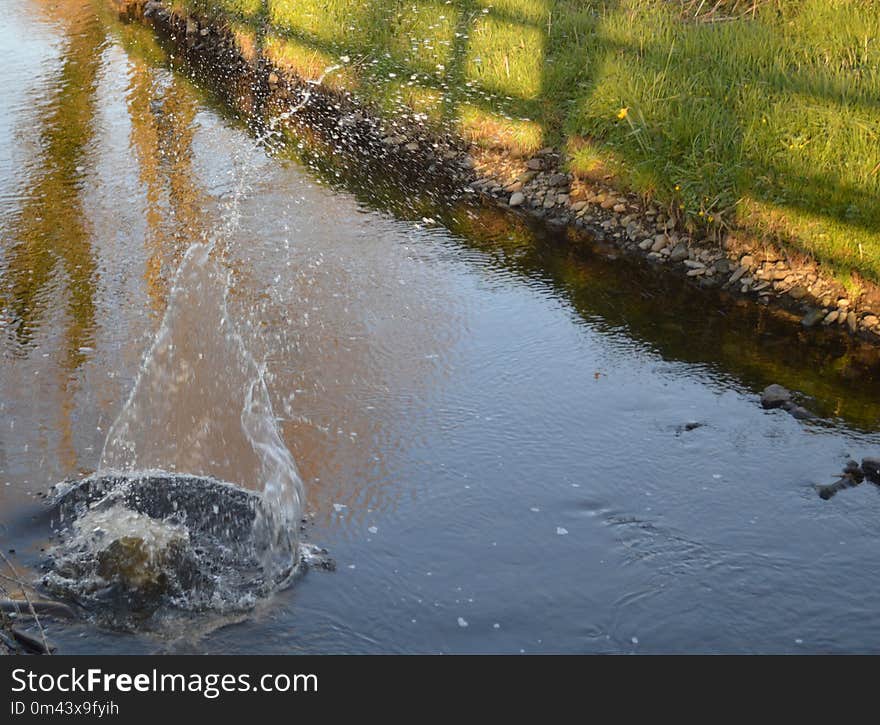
{"x":762,"y":116}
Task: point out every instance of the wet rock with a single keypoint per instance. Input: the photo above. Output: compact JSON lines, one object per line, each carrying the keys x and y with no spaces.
{"x":797,"y":411}
{"x":852,"y":476}
{"x":797,"y":292}
{"x":812,"y":318}
{"x":830,"y":318}
{"x":775,"y":396}
{"x":871,"y":469}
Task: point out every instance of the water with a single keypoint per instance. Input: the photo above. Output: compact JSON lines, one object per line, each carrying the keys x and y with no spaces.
{"x":491,"y":424}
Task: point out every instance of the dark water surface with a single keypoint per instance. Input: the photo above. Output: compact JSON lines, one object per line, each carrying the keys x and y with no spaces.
{"x":490,"y":425}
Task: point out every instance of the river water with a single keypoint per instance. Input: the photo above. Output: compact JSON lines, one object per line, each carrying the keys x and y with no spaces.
{"x":508,"y":444}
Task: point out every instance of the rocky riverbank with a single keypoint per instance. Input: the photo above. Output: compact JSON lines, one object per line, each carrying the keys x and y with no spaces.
{"x":539,"y":187}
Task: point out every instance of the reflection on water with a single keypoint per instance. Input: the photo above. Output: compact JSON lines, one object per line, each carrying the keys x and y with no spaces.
{"x":488,"y":417}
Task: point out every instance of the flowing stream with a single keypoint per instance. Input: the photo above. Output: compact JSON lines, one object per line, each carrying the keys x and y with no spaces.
{"x":506,"y":442}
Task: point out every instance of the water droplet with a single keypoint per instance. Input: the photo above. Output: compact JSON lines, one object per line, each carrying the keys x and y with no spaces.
{"x":561,"y":531}
{"x":462,"y":622}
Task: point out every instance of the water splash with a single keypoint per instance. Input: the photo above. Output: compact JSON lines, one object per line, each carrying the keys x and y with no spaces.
{"x":180,"y":416}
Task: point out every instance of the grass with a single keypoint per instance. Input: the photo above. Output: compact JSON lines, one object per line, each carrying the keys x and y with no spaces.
{"x":756,"y":115}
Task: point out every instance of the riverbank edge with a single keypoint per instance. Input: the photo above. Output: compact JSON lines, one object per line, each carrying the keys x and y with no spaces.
{"x":539,"y":187}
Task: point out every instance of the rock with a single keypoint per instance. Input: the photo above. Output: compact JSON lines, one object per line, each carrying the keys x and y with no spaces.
{"x":549,"y":202}
{"x":812,"y":317}
{"x":830,"y":318}
{"x":659,"y":242}
{"x":797,"y":411}
{"x":562,"y":198}
{"x":870,"y":320}
{"x":516,"y":199}
{"x":735,"y":277}
{"x":412,"y":147}
{"x":680,"y":253}
{"x":852,"y":322}
{"x":535,"y":164}
{"x":871,"y":468}
{"x":722,"y":266}
{"x":797,"y":292}
{"x":646,"y":244}
{"x":619,"y":208}
{"x":558,"y":180}
{"x":514,"y":187}
{"x":694,"y":264}
{"x":608,"y":203}
{"x":748,"y":261}
{"x":273,"y":79}
{"x":843,"y":302}
{"x":578,"y":206}
{"x":775,"y":396}
{"x":698,"y":272}
{"x":466,"y":162}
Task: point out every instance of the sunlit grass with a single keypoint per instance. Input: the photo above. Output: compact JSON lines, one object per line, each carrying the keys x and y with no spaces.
{"x":761,"y":116}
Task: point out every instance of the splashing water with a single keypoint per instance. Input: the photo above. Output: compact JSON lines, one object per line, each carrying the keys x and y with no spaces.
{"x":198,"y":371}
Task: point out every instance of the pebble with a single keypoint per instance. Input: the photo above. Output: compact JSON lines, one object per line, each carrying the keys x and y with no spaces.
{"x":517,"y":199}
{"x":535,"y":164}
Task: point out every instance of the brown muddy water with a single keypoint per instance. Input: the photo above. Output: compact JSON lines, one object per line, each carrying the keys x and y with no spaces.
{"x":508,"y":442}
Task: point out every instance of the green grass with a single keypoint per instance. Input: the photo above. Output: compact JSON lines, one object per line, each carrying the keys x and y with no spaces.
{"x":762,"y":116}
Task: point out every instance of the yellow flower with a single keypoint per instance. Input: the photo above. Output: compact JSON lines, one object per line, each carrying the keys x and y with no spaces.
{"x":622,"y":113}
{"x":677,"y":187}
{"x":711,"y":219}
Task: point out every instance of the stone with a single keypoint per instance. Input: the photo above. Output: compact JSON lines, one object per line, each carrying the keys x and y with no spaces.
{"x":526,"y":176}
{"x":516,"y":199}
{"x":735,"y":277}
{"x":659,"y":242}
{"x":748,"y":261}
{"x":871,"y":469}
{"x":870,"y":320}
{"x":558,"y":180}
{"x":812,"y":318}
{"x":273,"y":79}
{"x":831,"y":317}
{"x":550,"y":201}
{"x":694,"y":264}
{"x":513,"y":188}
{"x":412,"y":147}
{"x":680,"y":253}
{"x":797,"y":292}
{"x":619,"y":208}
{"x":722,"y":266}
{"x":646,"y":244}
{"x":843,"y":302}
{"x":698,"y":272}
{"x":562,"y":198}
{"x":578,"y":206}
{"x":535,"y":164}
{"x":608,"y":203}
{"x":775,"y":396}
{"x":852,"y":322}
